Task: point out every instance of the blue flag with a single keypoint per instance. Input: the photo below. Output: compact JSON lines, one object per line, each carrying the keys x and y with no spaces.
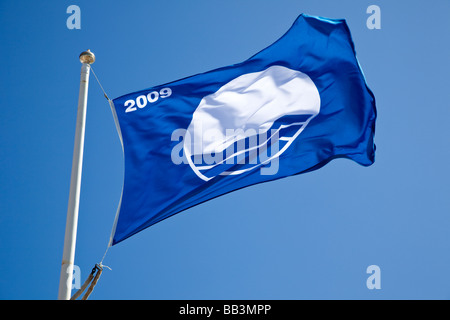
{"x":289,"y":109}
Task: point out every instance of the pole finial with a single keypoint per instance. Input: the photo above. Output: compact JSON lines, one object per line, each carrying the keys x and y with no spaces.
{"x":87,"y":57}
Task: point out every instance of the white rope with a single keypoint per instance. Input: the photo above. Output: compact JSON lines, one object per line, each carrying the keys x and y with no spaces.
{"x":100,"y":264}
{"x":93,"y":72}
{"x":104,"y":255}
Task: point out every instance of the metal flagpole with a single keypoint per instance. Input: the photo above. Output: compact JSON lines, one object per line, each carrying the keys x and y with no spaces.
{"x":65,"y":280}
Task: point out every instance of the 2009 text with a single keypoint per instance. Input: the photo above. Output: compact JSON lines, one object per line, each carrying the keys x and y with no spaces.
{"x":143,"y":100}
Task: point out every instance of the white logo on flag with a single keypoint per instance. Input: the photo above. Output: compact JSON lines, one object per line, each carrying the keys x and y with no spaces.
{"x":246,"y":118}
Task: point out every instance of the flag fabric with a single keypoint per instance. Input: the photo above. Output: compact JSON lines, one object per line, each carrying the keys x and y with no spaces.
{"x":287,"y":110}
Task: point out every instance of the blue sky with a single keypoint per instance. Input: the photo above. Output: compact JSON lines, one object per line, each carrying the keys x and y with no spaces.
{"x":311,"y":236}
